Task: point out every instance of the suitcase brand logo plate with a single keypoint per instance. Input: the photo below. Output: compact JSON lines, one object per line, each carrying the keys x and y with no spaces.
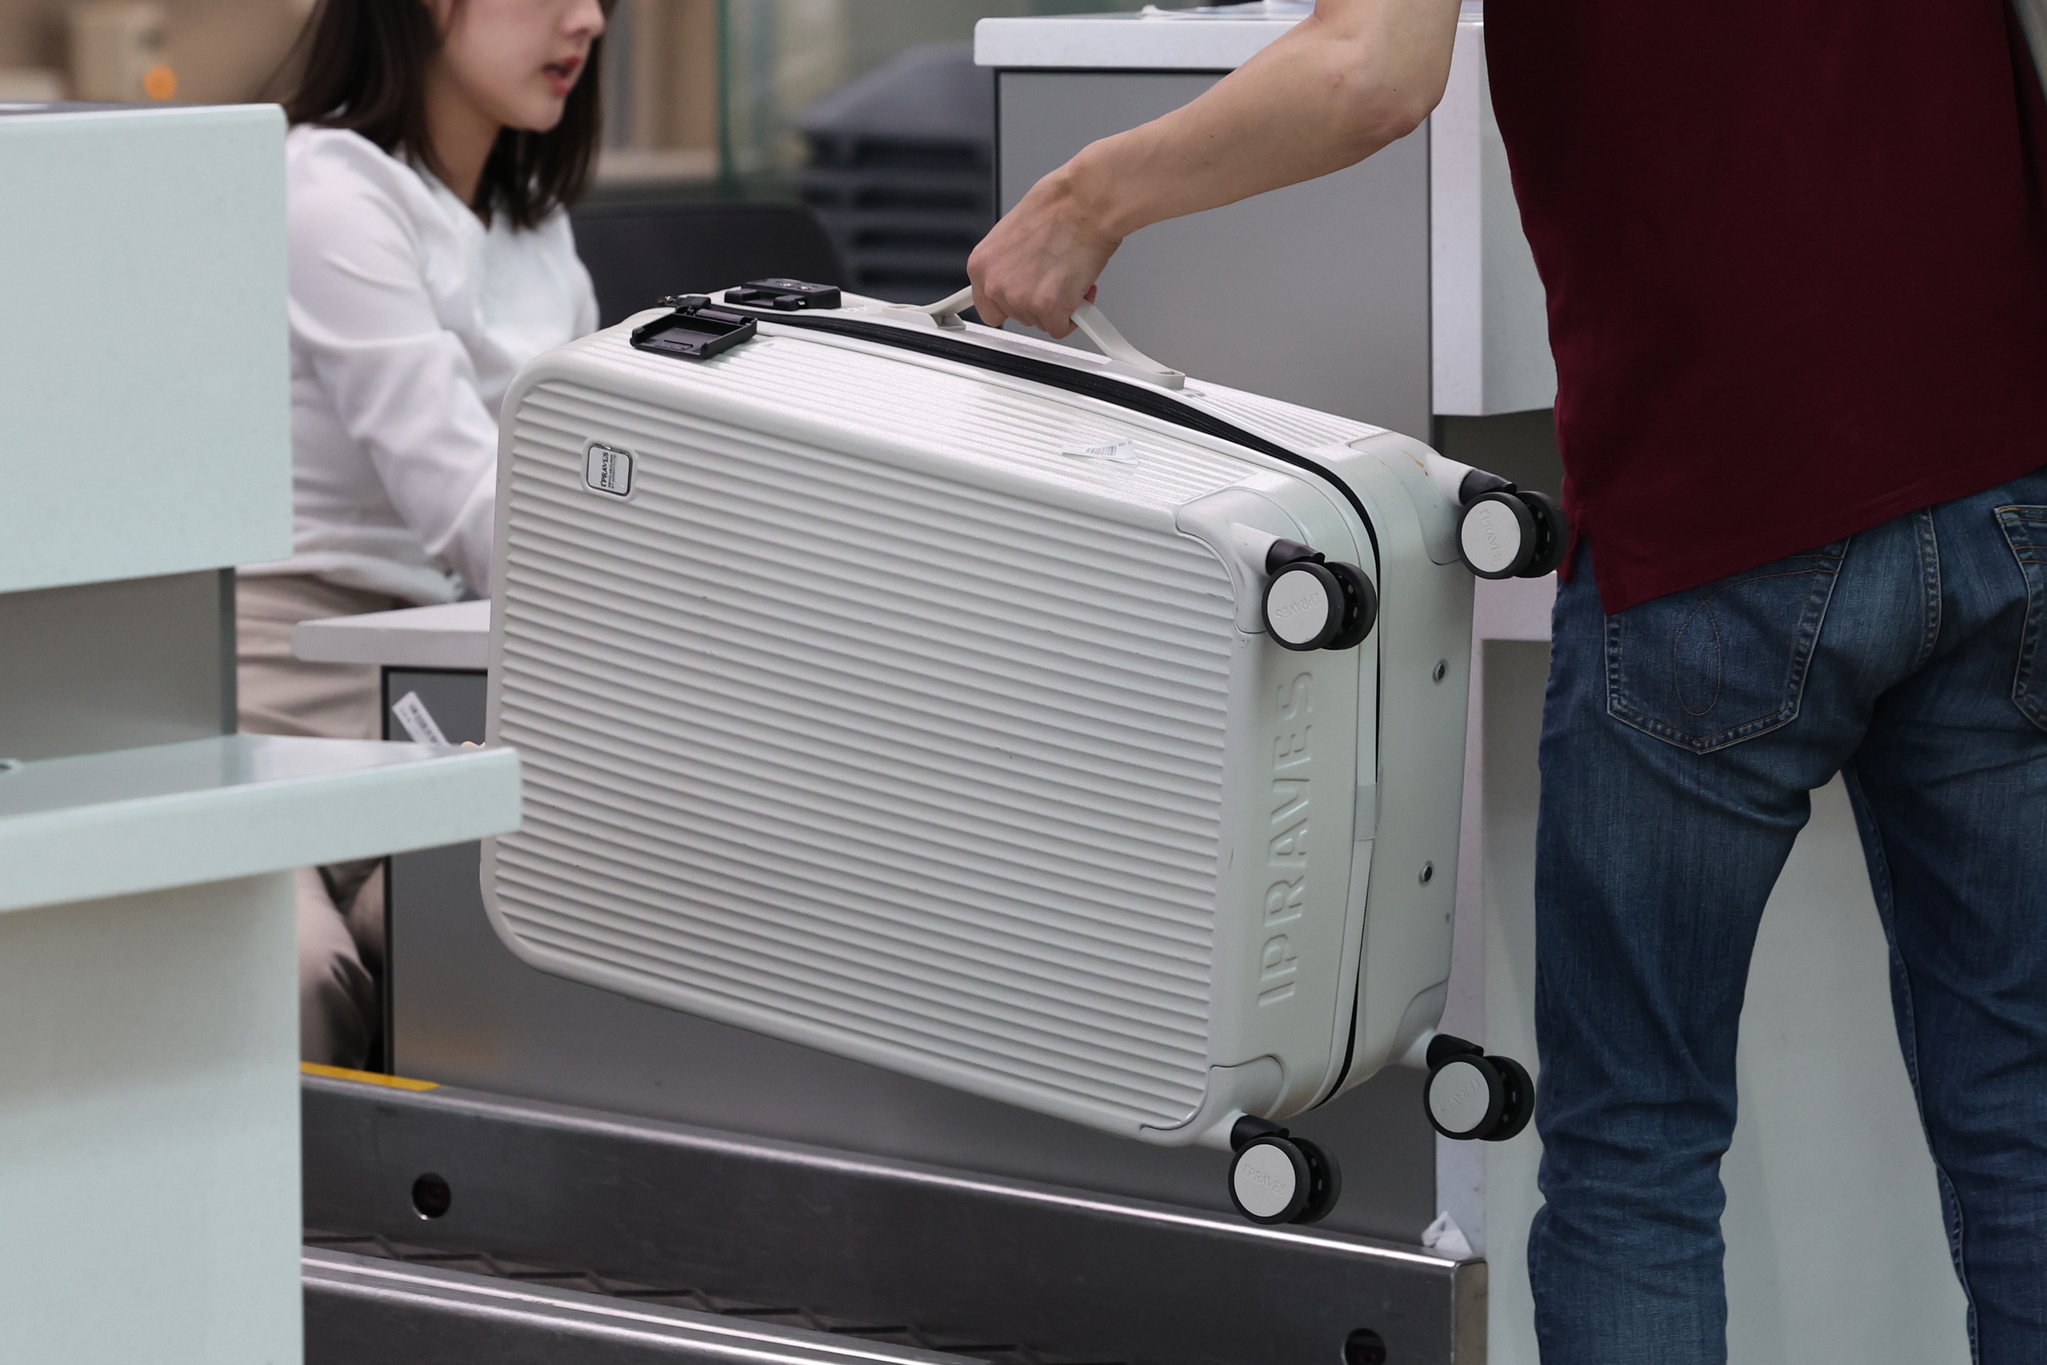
{"x":609,"y":471}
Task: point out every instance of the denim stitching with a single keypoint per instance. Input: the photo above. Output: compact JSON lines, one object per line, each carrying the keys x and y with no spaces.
{"x":1642,"y":720}
{"x":2017,"y":524}
{"x":1827,"y":576}
{"x":1908,"y":1031}
{"x":1719,"y":655}
{"x":1616,"y":647}
{"x":1929,"y":564}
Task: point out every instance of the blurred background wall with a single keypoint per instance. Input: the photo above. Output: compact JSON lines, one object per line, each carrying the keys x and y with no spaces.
{"x":674,"y":68}
{"x":219,"y":50}
{"x":868,"y":111}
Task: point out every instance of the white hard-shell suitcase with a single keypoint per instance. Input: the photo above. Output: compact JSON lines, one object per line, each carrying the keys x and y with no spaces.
{"x":994,"y":712}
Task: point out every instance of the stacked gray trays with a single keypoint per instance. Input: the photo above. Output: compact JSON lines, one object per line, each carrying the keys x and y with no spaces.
{"x":901,"y":171}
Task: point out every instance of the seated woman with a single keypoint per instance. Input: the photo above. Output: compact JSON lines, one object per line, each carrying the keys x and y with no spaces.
{"x":434,"y":147}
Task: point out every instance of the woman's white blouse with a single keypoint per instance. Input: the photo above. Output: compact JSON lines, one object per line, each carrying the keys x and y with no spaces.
{"x":409,"y":320}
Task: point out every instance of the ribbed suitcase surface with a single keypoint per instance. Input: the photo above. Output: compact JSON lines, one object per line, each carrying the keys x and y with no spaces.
{"x":877,"y":720}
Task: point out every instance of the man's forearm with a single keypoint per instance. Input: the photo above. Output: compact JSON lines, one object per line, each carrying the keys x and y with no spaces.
{"x":1338,"y":86}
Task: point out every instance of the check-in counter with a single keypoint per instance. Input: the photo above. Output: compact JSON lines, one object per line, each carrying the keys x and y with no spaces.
{"x":149,"y":1079}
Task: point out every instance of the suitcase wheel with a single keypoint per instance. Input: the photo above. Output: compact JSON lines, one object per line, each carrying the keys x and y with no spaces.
{"x":1316,"y":603}
{"x":1521,"y":1102}
{"x":1278,"y":1178}
{"x":1512,"y":532}
{"x":1470,"y":1095}
{"x":1361,"y":606}
{"x":1325,"y":1181}
{"x":1553,"y":533}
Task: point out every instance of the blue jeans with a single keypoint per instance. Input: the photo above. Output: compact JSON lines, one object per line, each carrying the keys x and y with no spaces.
{"x":1680,"y":740}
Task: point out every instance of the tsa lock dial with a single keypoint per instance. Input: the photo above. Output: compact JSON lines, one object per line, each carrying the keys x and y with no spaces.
{"x":1312,"y":602}
{"x":1276,"y":1177}
{"x":1509,"y":532}
{"x":1472,"y":1095}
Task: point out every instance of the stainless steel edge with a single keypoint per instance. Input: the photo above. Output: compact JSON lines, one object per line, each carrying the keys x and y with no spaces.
{"x":1469,"y":1308}
{"x":365,"y":1311}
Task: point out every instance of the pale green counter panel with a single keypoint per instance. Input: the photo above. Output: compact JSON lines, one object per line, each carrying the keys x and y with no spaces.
{"x":149,"y":1148}
{"x":143,"y":363}
{"x":149,"y":1143}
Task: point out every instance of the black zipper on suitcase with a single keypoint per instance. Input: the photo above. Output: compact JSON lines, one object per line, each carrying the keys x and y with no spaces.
{"x":1136,"y":397}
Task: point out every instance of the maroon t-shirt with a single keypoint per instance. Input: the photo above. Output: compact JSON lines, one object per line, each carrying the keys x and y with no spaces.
{"x":1796,"y":259}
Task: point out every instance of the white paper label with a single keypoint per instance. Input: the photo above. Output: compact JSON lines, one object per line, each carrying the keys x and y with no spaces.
{"x":1114,"y":448}
{"x":418,"y":721}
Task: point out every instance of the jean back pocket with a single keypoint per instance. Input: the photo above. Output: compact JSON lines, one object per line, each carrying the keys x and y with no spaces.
{"x":2025,"y":528}
{"x":1724,"y":662}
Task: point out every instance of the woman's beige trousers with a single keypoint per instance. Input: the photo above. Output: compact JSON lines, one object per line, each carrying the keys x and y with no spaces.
{"x":340,"y":908}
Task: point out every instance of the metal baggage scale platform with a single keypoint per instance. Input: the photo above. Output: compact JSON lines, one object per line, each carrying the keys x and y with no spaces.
{"x":448,"y":1225}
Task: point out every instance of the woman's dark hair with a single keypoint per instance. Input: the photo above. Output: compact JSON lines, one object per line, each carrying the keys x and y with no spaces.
{"x":362,"y":66}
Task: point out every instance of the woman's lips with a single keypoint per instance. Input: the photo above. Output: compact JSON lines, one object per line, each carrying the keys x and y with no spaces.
{"x":561,"y":75}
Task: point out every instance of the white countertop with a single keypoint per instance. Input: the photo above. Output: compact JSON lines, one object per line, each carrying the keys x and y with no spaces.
{"x":1214,"y":38}
{"x":207,"y":810}
{"x":456,"y":635}
{"x":1142,"y":42}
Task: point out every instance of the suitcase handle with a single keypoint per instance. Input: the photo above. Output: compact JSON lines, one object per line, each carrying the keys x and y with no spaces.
{"x":1122,"y":356}
{"x":1110,"y":343}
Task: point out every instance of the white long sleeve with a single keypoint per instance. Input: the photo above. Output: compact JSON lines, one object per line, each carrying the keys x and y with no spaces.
{"x":409,"y":320}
